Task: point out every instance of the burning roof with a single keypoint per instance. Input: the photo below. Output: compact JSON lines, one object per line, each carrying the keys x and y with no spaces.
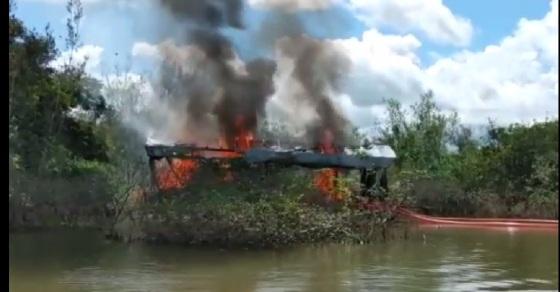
{"x":377,"y":156}
{"x":183,"y":161}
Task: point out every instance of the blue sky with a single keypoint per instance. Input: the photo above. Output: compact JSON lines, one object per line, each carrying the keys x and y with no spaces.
{"x":411,"y":46}
{"x":492,"y":21}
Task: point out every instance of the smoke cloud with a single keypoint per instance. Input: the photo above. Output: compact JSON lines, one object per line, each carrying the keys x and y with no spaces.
{"x":209,"y":13}
{"x":292,"y":5}
{"x":219,"y":95}
{"x":319,"y":68}
{"x":223,"y":97}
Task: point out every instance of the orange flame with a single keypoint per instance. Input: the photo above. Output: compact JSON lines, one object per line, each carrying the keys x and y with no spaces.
{"x":177,"y":174}
{"x":327,"y":143}
{"x":180,"y":172}
{"x":244,"y":139}
{"x":325,"y":180}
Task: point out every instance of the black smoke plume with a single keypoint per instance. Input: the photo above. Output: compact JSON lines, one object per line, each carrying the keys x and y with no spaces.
{"x":208,"y":13}
{"x":218,"y":92}
{"x":216,"y":89}
{"x":319,"y":67}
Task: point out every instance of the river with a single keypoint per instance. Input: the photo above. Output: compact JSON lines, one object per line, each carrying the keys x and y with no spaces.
{"x":434,"y":260}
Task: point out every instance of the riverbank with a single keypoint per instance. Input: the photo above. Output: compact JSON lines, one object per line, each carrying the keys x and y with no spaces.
{"x":226,"y":217}
{"x":278,"y":209}
{"x":47,"y":216}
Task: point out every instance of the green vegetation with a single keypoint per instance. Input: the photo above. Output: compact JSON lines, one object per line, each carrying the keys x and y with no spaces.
{"x":84,"y":170}
{"x":63,"y":166}
{"x":512,"y":172}
{"x":272,"y":211}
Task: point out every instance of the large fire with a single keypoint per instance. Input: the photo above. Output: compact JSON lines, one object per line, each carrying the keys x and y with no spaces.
{"x":325,"y":180}
{"x":244,"y":138}
{"x":176,"y":174}
{"x":179,"y":172}
{"x":241,"y":142}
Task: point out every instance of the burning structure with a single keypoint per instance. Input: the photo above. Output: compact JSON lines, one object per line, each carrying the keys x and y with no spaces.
{"x":221,"y":99}
{"x":183,"y":160}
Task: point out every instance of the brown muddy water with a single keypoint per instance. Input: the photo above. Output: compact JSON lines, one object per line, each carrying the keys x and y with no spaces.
{"x":430,"y":260}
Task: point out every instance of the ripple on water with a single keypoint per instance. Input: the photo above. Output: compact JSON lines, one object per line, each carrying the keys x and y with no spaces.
{"x":450,"y":261}
{"x":135,"y":279}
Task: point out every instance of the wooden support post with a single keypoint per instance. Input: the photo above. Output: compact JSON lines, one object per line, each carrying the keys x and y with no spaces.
{"x":152,"y":163}
{"x":336,"y":175}
{"x":170,"y":163}
{"x":153,"y":171}
{"x":363,"y":182}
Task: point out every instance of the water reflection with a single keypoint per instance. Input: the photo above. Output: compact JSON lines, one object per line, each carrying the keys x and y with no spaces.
{"x":447,"y":260}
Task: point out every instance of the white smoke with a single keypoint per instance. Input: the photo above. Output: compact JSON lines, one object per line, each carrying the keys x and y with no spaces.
{"x":141,"y":107}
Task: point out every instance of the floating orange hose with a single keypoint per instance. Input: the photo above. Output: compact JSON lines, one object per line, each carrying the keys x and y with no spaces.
{"x":436,"y":222}
{"x":477,"y":222}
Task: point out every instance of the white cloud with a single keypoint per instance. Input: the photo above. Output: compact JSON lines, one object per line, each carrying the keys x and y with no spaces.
{"x":431,"y":17}
{"x":292,"y":5}
{"x":65,"y":1}
{"x":515,"y":80}
{"x":143,"y":49}
{"x":117,"y":3}
{"x":91,"y":54}
{"x":384,"y":66}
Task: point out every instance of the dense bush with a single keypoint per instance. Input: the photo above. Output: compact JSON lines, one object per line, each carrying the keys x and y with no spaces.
{"x":511,"y":171}
{"x":237,"y":215}
{"x":58,"y":160}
